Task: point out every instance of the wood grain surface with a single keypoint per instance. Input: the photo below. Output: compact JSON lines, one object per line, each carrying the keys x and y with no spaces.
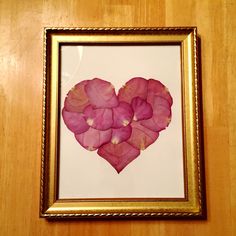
{"x":21,"y":80}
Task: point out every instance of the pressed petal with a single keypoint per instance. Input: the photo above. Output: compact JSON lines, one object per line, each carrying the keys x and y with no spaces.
{"x":77,"y":99}
{"x":121,"y":134}
{"x":93,"y":138}
{"x":100,"y":118}
{"x":141,"y":137}
{"x":161,"y":115}
{"x":136,"y":87}
{"x":74,"y":121}
{"x":118,"y":155}
{"x":142,"y":109}
{"x":122,"y":115}
{"x":156,"y":88}
{"x":101,"y":94}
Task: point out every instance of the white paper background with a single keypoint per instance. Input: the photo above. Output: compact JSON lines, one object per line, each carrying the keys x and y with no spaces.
{"x":158,"y":171}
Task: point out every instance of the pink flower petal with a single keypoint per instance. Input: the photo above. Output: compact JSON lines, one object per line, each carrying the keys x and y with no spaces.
{"x":118,"y":155}
{"x":101,"y":94}
{"x":93,"y":138}
{"x":141,"y":136}
{"x":142,"y":109}
{"x":122,"y":115}
{"x":161,"y":115}
{"x":100,"y":119}
{"x":77,"y":99}
{"x":121,"y":134}
{"x":75,"y":121}
{"x":136,"y":87}
{"x":156,"y":88}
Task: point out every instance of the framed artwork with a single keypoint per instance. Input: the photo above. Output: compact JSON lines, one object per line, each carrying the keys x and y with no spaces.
{"x":121,"y":124}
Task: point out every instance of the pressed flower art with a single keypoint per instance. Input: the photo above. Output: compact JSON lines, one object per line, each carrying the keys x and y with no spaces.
{"x":117,"y":126}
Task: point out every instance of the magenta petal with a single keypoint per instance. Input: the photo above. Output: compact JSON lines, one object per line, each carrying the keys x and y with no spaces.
{"x":161,"y":115}
{"x":141,"y":136}
{"x":156,"y":88}
{"x":122,"y":115}
{"x":101,"y":94}
{"x":93,"y":138}
{"x":142,"y":109}
{"x":98,"y":118}
{"x":121,"y":134}
{"x":77,"y":99}
{"x":136,"y":87}
{"x":75,"y":121}
{"x":118,"y":155}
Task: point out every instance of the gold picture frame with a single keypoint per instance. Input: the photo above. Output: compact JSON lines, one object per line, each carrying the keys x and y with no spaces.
{"x":192,"y":203}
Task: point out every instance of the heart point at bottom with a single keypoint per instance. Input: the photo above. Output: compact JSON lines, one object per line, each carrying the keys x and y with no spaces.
{"x":118,"y":155}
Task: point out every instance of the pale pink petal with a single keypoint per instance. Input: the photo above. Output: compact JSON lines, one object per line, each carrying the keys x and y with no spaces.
{"x":136,"y":87}
{"x":77,"y":99}
{"x":118,"y":155}
{"x":156,"y":88}
{"x":161,"y":115}
{"x":93,"y":138}
{"x":74,"y":121}
{"x":101,"y":94}
{"x":142,"y":109}
{"x":122,"y":115}
{"x":141,"y":136}
{"x":121,"y":134}
{"x":100,"y":118}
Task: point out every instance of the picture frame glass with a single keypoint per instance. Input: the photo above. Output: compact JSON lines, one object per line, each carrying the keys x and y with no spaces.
{"x":158,"y":172}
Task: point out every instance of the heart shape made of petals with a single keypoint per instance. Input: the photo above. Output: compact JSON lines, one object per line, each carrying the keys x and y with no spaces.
{"x":117,"y":126}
